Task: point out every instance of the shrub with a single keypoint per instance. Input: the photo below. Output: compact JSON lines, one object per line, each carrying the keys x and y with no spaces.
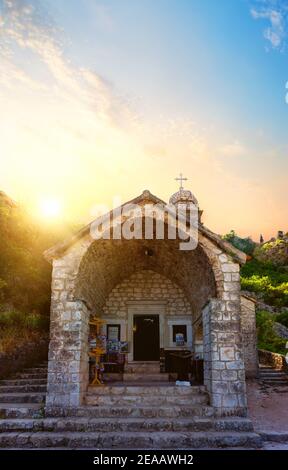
{"x":268,"y":280}
{"x":267,"y":338}
{"x":244,"y":244}
{"x":17,"y":328}
{"x":283,"y":318}
{"x":30,"y":321}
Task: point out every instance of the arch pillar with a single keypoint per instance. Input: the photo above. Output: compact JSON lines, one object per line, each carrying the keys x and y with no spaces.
{"x":68,"y":372}
{"x":68,"y":348}
{"x":224,"y":372}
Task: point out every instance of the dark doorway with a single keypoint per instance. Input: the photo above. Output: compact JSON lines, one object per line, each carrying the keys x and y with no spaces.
{"x":146,"y":338}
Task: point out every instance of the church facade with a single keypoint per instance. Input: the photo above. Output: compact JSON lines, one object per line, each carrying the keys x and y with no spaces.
{"x":149,"y":294}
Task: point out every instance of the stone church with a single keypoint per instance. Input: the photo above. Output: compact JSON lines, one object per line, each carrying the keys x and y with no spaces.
{"x":147,"y":292}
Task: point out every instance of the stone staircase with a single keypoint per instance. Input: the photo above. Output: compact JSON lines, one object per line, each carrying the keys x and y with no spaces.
{"x":23,"y":395}
{"x":118,"y":416}
{"x":270,"y":376}
{"x":144,"y":372}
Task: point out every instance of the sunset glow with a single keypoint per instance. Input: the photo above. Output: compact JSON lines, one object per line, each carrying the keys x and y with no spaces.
{"x":92,"y":107}
{"x":50,"y":208}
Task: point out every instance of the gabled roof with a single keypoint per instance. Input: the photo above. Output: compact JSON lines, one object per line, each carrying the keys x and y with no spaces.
{"x":145,"y":198}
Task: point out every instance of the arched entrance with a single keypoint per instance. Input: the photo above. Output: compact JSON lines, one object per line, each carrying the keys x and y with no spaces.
{"x":87,"y":271}
{"x":148,"y":289}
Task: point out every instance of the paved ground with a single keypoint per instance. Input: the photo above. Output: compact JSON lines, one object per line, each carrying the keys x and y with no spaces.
{"x":268,"y":406}
{"x":268,"y":409}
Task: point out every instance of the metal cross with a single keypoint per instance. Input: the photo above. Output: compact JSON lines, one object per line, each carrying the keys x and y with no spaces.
{"x":181,"y":179}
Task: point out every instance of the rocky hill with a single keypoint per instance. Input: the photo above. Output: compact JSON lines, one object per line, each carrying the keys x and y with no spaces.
{"x":274,"y":251}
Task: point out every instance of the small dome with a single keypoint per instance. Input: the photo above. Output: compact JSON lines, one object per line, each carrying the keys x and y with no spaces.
{"x":183,"y":196}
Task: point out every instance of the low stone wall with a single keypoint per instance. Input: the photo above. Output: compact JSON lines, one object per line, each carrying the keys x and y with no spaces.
{"x":23,"y":356}
{"x":275,"y":360}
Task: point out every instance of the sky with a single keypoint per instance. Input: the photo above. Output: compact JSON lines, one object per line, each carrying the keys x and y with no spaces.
{"x":105,"y":98}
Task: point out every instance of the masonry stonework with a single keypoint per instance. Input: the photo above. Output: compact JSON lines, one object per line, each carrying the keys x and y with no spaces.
{"x":248,"y":328}
{"x":146,"y":285}
{"x":224,"y":373}
{"x":100,"y":276}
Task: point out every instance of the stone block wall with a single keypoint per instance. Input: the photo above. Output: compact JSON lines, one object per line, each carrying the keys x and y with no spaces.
{"x":146,"y":285}
{"x":84,"y":280}
{"x":269,"y":358}
{"x":248,"y":328}
{"x":68,"y":357}
{"x":224,"y":373}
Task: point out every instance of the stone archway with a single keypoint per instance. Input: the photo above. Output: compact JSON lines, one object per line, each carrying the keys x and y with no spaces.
{"x":108,"y":262}
{"x":86,"y":271}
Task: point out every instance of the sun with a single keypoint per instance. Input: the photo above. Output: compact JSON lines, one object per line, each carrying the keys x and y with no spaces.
{"x":50,"y":208}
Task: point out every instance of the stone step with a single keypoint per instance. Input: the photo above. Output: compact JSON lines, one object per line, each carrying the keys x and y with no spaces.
{"x":275,"y":382}
{"x":274,"y":436}
{"x":141,"y":411}
{"x":273,"y":374}
{"x":20,"y":410}
{"x":155,"y":377}
{"x":109,"y":377}
{"x":128,"y":440}
{"x":134,"y":400}
{"x":125,"y":425}
{"x":28,"y":376}
{"x":36,"y":370}
{"x":36,"y":397}
{"x":16,"y":382}
{"x":273,"y":377}
{"x":22,"y":388}
{"x":142,"y":368}
{"x":147,"y":389}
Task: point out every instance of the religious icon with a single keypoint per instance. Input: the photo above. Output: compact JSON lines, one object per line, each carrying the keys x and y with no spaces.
{"x":180,"y":341}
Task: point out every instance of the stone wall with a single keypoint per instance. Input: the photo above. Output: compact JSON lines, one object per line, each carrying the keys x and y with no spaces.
{"x":268,"y":358}
{"x":248,"y":328}
{"x":148,"y":292}
{"x":68,"y":356}
{"x":224,"y":373}
{"x":26,"y":355}
{"x":107,"y":263}
{"x":89,"y":271}
{"x":146,"y":285}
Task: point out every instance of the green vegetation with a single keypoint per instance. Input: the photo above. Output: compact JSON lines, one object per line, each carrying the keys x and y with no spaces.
{"x":25,"y":276}
{"x":267,"y":338}
{"x":266,"y":279}
{"x":17,"y":328}
{"x":275,"y":252}
{"x":283,"y":319}
{"x":244,"y":244}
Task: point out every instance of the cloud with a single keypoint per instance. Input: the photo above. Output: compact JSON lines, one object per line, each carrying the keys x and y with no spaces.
{"x":275,"y":12}
{"x":233,"y":149}
{"x":27,"y":28}
{"x":67,"y":131}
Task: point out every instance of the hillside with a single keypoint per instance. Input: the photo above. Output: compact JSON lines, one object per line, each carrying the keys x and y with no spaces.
{"x":25,"y":276}
{"x":265,"y":276}
{"x":274,"y":251}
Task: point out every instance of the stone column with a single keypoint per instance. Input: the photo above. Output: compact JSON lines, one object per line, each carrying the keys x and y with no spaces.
{"x":249,"y":334}
{"x":68,"y":366}
{"x":224,"y":373}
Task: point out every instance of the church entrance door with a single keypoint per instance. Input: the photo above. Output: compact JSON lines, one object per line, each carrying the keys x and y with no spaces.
{"x":146,"y":343}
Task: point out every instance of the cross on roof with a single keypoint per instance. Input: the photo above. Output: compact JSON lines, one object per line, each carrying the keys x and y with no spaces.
{"x":181,"y":179}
